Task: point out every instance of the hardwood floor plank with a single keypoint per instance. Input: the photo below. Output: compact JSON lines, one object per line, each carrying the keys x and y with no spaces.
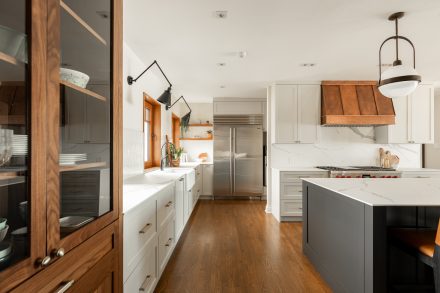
{"x":234,"y":246}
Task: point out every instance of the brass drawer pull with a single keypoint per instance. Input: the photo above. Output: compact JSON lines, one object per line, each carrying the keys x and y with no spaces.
{"x":65,"y":286}
{"x":145,"y":228}
{"x":169,"y":242}
{"x":170,"y":203}
{"x":144,"y":286}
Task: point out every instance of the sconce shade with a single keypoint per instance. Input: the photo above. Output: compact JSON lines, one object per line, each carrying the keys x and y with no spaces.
{"x":185,"y":119}
{"x":165,"y":98}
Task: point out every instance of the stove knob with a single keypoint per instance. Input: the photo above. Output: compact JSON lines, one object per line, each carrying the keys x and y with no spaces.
{"x":348,"y":177}
{"x":389,"y":177}
{"x":338,"y":176}
{"x":358,"y":177}
{"x":373,"y":176}
{"x":395,"y":176}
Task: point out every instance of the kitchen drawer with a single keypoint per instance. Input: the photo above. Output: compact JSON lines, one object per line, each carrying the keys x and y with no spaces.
{"x":166,"y":244}
{"x":165,"y":206}
{"x":295,"y":177}
{"x":291,"y":208}
{"x":76,"y":264}
{"x":291,"y":191}
{"x":144,"y":276}
{"x":139,"y":228}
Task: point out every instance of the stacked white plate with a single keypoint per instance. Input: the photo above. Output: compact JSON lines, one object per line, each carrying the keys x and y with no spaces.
{"x":72,"y":159}
{"x":19,"y":145}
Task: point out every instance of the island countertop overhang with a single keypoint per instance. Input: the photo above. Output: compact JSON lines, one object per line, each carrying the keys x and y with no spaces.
{"x":384,"y":192}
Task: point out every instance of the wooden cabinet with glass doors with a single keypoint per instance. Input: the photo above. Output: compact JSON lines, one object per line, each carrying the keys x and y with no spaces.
{"x":60,"y":138}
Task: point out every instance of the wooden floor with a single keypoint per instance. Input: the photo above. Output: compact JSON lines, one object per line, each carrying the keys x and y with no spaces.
{"x":234,"y":246}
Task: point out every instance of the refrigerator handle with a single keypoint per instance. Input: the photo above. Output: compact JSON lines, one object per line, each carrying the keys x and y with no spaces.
{"x":231,"y":186}
{"x":233,"y":154}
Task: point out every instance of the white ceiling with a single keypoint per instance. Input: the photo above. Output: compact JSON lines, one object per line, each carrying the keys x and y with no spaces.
{"x":341,"y":36}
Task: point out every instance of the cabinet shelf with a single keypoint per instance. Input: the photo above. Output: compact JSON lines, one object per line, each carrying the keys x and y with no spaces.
{"x":82,"y":166}
{"x":8,"y":58}
{"x":196,"y":138}
{"x":201,"y":125}
{"x":82,"y":22}
{"x":12,"y":120}
{"x":83,"y":90}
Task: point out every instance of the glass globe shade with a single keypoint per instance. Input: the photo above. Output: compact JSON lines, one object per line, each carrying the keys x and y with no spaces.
{"x":399,"y":88}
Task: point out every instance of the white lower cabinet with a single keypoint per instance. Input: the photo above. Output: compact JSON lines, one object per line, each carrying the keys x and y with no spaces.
{"x":208,"y":180}
{"x":151,"y":231}
{"x":145,"y":276}
{"x":166,"y":245}
{"x":420,"y":173}
{"x":287,"y":193}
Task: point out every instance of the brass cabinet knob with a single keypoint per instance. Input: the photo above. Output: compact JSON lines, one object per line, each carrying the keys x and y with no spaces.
{"x":43,"y":262}
{"x":58,"y":252}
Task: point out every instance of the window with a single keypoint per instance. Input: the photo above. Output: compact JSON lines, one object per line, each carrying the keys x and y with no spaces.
{"x":152,"y":132}
{"x":176,"y":129}
{"x":148,"y":135}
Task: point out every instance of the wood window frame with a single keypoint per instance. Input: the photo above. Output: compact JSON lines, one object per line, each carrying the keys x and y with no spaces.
{"x":155,"y":129}
{"x":175,"y":125}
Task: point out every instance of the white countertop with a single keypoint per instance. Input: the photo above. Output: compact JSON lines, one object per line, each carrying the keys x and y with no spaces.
{"x":194,"y":164}
{"x":299,"y":169}
{"x":385,"y":192}
{"x":417,"y":170}
{"x":138,"y":188}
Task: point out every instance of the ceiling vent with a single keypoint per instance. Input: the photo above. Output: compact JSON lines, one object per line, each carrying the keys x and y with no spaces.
{"x":221,"y":14}
{"x":359,"y":103}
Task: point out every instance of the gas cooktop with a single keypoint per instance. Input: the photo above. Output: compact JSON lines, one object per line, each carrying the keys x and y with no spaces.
{"x":355,"y":168}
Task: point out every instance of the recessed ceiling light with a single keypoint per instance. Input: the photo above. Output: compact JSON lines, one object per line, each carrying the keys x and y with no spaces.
{"x":222,"y":86}
{"x":307,"y":64}
{"x":242,"y":54}
{"x":221,"y":64}
{"x":221,"y":14}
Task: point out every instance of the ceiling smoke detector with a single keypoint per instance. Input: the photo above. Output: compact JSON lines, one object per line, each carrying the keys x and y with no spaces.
{"x":222,"y":86}
{"x":221,"y":14}
{"x":221,"y":64}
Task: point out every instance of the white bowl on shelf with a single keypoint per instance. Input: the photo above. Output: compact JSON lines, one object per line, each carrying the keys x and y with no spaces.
{"x":76,"y":77}
{"x":3,"y":232}
{"x":13,"y":43}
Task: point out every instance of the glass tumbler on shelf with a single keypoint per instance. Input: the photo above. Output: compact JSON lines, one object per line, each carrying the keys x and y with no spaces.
{"x":5,"y":146}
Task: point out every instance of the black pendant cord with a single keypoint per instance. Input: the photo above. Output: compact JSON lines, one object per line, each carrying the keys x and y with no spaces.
{"x":397,"y":39}
{"x":131,"y":80}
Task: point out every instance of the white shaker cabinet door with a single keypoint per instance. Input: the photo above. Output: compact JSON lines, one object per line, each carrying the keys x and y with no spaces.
{"x":309,"y":97}
{"x":285,"y":109}
{"x":208,"y":177}
{"x":399,"y":132}
{"x":422,"y":115}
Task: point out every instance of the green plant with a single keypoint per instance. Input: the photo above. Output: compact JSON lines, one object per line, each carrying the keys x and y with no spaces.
{"x":184,"y":125}
{"x":175,"y":152}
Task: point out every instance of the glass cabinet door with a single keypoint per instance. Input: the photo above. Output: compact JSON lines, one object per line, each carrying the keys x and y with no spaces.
{"x":82,"y":188}
{"x":21,"y":142}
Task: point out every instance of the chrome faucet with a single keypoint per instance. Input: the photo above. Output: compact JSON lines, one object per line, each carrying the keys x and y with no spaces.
{"x":162,"y":159}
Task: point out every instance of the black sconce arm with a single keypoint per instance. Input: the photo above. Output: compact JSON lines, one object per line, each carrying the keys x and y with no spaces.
{"x":130,"y":79}
{"x":181,"y":97}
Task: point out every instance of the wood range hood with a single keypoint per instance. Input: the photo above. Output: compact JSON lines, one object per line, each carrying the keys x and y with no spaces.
{"x":354,"y":103}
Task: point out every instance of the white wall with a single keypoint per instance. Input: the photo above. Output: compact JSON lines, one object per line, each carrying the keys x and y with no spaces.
{"x":153,"y":84}
{"x":201,"y":113}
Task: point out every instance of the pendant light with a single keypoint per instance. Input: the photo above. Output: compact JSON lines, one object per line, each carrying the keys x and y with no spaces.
{"x":399,"y":80}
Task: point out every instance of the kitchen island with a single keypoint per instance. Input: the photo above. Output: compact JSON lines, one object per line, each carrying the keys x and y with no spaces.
{"x":346,"y":221}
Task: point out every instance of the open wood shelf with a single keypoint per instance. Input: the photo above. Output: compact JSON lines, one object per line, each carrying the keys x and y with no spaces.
{"x":8,"y":58}
{"x":196,"y":138}
{"x":83,"y":90}
{"x":82,"y":22}
{"x":200,"y":125}
{"x":7,"y":173}
{"x":12,"y":120}
{"x":82,"y":166}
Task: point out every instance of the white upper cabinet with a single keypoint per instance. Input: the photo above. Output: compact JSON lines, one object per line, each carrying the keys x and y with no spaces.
{"x":414,"y":119}
{"x":295,"y":113}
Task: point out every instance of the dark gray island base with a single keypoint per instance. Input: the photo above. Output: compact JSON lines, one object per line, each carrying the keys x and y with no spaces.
{"x":345,"y":237}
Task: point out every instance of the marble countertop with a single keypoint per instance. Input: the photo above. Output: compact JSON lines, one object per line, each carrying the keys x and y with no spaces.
{"x":194,"y":164}
{"x":417,"y":170}
{"x":299,"y":169}
{"x":385,"y":192}
{"x":136,"y":189}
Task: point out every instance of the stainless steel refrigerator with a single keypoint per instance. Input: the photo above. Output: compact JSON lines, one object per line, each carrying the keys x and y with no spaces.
{"x":238,"y":155}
